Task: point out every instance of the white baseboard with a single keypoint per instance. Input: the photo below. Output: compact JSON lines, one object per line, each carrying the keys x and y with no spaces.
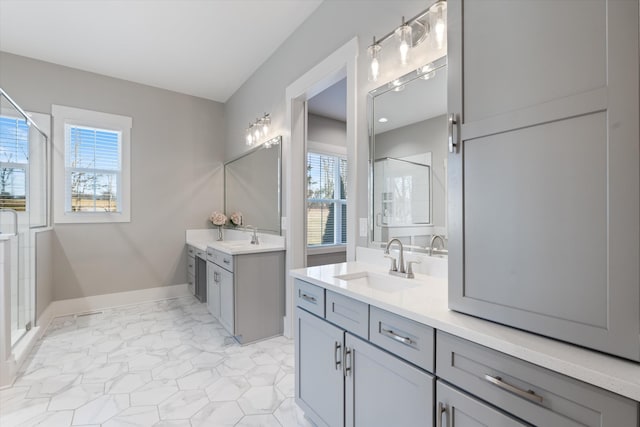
{"x":99,"y":302}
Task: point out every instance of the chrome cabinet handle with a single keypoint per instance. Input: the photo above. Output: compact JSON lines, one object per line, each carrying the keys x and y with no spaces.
{"x":441,"y":410}
{"x":403,"y":340}
{"x":308,"y":298}
{"x":336,"y":354}
{"x":527,"y":394}
{"x":347,"y":362}
{"x":452,"y":121}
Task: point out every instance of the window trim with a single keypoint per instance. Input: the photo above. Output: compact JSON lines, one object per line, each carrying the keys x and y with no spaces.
{"x":68,"y":116}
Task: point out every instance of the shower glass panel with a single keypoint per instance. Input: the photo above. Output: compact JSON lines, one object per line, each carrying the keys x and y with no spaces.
{"x":24,"y":171}
{"x":401,"y":193}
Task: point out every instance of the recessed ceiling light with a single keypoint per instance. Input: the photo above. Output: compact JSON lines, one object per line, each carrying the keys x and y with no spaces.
{"x":383,"y":120}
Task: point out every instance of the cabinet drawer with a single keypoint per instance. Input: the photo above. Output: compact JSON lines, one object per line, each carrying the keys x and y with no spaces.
{"x":200,"y":253}
{"x":405,"y":338}
{"x":310,"y":297}
{"x":191,"y":266}
{"x":222,"y":259}
{"x":348,"y":313}
{"x":527,"y":391}
{"x":191,"y":251}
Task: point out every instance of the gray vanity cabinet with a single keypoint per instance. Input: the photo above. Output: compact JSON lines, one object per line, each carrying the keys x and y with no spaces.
{"x":383,"y":390}
{"x":544,"y":180}
{"x":458,"y":409}
{"x":344,"y":380}
{"x":319,"y":373}
{"x":250,"y":291}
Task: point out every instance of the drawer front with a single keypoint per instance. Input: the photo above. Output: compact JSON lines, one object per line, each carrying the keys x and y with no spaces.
{"x":310,"y":297}
{"x":200,"y":253}
{"x":191,"y":281}
{"x":218,"y":257}
{"x":405,"y":338}
{"x":348,"y":313}
{"x":529,"y":392}
{"x":191,"y":251}
{"x":191,"y":266}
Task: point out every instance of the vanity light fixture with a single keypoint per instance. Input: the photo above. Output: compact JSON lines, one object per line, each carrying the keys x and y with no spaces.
{"x":374,"y":54}
{"x":257,"y":130}
{"x":430,"y":23}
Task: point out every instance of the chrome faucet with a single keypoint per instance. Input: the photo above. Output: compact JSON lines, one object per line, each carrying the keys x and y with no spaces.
{"x":433,"y":239}
{"x":398,"y":269}
{"x":254,"y":238}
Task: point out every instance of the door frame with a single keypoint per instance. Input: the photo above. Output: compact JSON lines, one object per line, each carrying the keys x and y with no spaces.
{"x":338,"y":65}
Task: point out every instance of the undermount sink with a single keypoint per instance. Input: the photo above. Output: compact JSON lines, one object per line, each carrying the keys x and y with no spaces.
{"x":381,"y":282}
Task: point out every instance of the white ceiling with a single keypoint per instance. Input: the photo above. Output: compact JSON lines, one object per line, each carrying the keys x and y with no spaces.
{"x":205,"y":48}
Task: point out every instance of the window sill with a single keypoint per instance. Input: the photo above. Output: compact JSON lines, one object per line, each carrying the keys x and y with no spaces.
{"x":325,"y":249}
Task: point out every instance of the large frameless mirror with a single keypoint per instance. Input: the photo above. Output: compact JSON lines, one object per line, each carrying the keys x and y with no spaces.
{"x":408,"y":158}
{"x":252,"y":186}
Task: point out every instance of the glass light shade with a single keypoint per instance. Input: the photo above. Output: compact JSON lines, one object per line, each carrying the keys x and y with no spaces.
{"x":403,"y":33}
{"x":256,"y":132}
{"x":248,"y":135}
{"x":266,"y":123}
{"x":374,"y":67}
{"x":438,"y":24}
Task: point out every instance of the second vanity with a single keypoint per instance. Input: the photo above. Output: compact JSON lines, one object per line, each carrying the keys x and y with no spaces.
{"x":245,"y":282}
{"x":375,"y":350}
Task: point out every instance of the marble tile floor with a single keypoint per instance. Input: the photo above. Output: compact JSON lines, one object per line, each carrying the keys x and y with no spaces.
{"x":164,"y":363}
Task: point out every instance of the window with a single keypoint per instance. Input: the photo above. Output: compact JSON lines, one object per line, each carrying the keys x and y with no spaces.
{"x":14,"y":162}
{"x":326,"y":199}
{"x":91,"y":166}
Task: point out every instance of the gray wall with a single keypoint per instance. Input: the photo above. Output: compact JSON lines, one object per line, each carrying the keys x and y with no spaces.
{"x":427,"y":135}
{"x":176,"y":177}
{"x":44,"y":270}
{"x":327,"y":131}
{"x":332,"y":25}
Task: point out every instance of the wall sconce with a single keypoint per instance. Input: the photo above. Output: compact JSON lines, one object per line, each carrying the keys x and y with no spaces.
{"x":257,"y":130}
{"x":430,"y":23}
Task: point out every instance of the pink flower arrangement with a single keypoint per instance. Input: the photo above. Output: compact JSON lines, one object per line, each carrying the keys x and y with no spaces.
{"x":236,"y":218}
{"x":218,"y":218}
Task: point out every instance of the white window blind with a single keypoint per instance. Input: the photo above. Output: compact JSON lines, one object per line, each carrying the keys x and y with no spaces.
{"x":93,"y":169}
{"x":14,"y":162}
{"x":326,"y":199}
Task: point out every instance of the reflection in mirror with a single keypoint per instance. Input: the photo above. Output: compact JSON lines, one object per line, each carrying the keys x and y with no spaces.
{"x":252,"y":186}
{"x":408,"y":158}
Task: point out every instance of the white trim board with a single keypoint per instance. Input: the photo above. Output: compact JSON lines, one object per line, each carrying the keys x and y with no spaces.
{"x":98,"y":302}
{"x":338,"y":65}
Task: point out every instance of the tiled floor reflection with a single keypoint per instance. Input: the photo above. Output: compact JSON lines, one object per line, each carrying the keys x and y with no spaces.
{"x":166,"y":363}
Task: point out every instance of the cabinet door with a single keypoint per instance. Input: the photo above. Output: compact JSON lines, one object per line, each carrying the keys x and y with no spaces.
{"x":319,"y":378}
{"x":213,"y":289}
{"x":457,"y":409}
{"x":382,"y":390}
{"x":227,"y":309}
{"x":544,"y":181}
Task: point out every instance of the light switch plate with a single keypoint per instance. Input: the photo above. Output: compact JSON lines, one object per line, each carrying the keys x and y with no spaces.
{"x":363,"y":227}
{"x":283,"y":222}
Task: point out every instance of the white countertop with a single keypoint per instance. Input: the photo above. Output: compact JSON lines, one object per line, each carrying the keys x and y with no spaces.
{"x":425,"y":301}
{"x":236,"y":242}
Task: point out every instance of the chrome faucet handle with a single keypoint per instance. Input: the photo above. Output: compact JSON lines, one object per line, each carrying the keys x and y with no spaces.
{"x":410,"y":268}
{"x":394,"y":265}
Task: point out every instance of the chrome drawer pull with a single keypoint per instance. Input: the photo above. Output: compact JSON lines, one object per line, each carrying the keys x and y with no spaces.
{"x":403,"y":340}
{"x":527,"y":394}
{"x":308,"y":298}
{"x":226,"y":261}
{"x":441,"y":409}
